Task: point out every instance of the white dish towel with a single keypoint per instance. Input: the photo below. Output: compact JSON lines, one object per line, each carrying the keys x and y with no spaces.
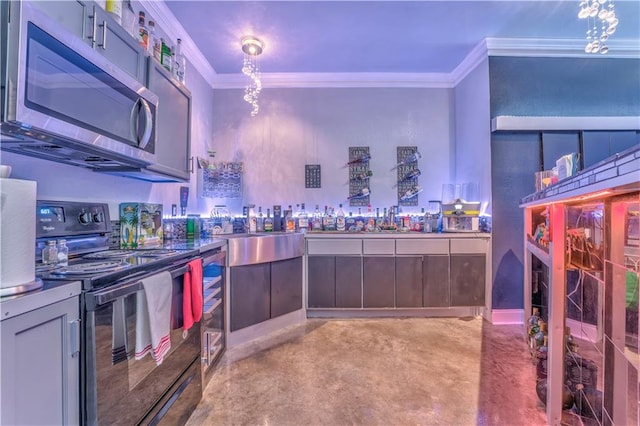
{"x":153,"y":317}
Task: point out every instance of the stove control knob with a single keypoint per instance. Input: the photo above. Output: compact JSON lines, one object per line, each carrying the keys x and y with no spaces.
{"x":98,"y":217}
{"x":84,"y":218}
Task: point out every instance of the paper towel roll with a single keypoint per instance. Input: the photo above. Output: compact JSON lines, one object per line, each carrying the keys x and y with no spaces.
{"x":17,"y":232}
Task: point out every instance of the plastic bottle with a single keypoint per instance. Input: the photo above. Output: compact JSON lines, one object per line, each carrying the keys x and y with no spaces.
{"x":63,"y":253}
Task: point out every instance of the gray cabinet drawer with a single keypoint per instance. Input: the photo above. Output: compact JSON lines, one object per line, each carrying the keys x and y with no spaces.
{"x":334,"y":247}
{"x":381,"y":246}
{"x":423,"y":246}
{"x":469,"y":245}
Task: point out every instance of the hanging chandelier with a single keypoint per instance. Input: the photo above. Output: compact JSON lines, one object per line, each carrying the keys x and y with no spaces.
{"x":252,"y":48}
{"x":601,"y":23}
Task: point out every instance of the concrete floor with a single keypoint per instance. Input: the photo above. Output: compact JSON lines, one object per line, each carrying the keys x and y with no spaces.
{"x":426,"y":371}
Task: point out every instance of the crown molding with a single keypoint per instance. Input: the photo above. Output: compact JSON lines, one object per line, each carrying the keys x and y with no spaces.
{"x":344,"y":80}
{"x":529,"y":47}
{"x":469,"y":63}
{"x":565,"y":48}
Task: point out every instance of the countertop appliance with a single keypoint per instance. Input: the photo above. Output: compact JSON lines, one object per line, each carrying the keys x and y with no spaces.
{"x":116,"y":388}
{"x":64,"y":101}
{"x":461,"y":216}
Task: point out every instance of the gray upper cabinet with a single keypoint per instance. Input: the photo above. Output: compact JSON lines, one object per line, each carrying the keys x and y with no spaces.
{"x":70,"y":14}
{"x":115,"y":43}
{"x":173,"y":123}
{"x":92,"y":24}
{"x":40,"y":366}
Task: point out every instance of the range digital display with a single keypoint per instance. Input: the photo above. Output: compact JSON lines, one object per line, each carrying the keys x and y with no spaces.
{"x":51,"y":214}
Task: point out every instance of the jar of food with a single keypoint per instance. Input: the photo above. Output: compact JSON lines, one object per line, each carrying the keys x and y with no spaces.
{"x":50,"y":253}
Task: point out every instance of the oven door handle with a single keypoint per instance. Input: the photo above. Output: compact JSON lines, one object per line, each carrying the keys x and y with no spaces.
{"x":111,"y":294}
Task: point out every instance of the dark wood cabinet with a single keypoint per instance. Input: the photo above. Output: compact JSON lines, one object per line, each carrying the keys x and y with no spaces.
{"x":408,"y":282}
{"x":321,"y":281}
{"x":435,"y":281}
{"x":250,"y":295}
{"x":286,"y":286}
{"x":348,"y":282}
{"x":378,"y":282}
{"x":264,"y":291}
{"x":468,"y":279}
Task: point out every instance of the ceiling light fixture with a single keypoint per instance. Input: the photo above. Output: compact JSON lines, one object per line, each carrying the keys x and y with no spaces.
{"x":598,"y":12}
{"x":252,"y":48}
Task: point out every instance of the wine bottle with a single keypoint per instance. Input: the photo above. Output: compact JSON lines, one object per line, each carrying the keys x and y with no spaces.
{"x":411,"y":193}
{"x":411,"y":175}
{"x":410,"y":159}
{"x":360,"y":194}
{"x":364,"y":158}
{"x":362,"y":176}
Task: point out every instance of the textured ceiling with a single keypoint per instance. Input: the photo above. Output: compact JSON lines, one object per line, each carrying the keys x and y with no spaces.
{"x":377,"y":36}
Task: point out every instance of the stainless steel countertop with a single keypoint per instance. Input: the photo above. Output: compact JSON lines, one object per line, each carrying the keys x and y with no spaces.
{"x":397,"y":235}
{"x":249,"y":249}
{"x":51,"y":292}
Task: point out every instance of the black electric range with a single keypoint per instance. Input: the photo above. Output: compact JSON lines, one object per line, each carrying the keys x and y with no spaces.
{"x":86,"y":227}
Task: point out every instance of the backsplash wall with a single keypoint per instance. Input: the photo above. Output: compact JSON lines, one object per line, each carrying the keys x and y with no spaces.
{"x":317,"y":126}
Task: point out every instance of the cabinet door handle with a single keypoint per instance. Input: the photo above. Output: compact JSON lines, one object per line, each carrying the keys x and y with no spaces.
{"x":94,"y":27}
{"x":74,"y":337}
{"x":104,"y":35}
{"x":190,"y":164}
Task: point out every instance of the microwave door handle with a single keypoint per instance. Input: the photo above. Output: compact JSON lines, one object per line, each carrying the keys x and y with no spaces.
{"x":148,"y":124}
{"x":134,"y":120}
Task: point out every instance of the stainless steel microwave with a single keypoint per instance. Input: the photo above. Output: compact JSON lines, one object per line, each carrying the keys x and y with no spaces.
{"x":63,"y":101}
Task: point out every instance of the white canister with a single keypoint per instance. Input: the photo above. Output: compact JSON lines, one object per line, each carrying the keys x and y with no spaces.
{"x":114,"y":7}
{"x":17,"y":232}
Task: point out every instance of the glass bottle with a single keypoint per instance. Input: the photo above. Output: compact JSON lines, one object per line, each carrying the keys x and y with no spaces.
{"x":541,"y":359}
{"x":260,"y":221}
{"x":174,"y":65}
{"x":143,"y":32}
{"x":128,"y":18}
{"x":165,"y":55}
{"x":331,"y":220}
{"x":290,"y":223}
{"x":155,"y":46}
{"x":63,"y":253}
{"x":317,"y":219}
{"x":50,"y":253}
{"x":180,"y":62}
{"x":340,"y":219}
{"x":303,"y":219}
{"x":569,"y":344}
{"x":268,"y":222}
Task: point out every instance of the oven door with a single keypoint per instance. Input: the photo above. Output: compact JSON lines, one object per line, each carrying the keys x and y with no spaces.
{"x":118,"y":388}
